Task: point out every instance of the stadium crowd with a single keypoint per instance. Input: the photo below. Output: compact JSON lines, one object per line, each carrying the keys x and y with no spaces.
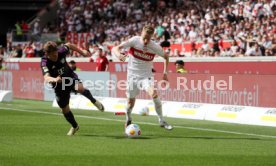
{"x":250,"y":26}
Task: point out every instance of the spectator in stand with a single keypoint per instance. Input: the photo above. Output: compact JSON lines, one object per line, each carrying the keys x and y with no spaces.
{"x":159,"y":30}
{"x":192,"y":36}
{"x":25,"y":29}
{"x":234,"y":49}
{"x":272,"y":50}
{"x":193,"y":49}
{"x":265,"y":45}
{"x":253,"y":49}
{"x":202,"y":51}
{"x":94,"y":50}
{"x":13,"y":52}
{"x":29,"y":50}
{"x":166,"y":38}
{"x":19,"y":32}
{"x":186,"y":21}
{"x":17,"y":51}
{"x":240,"y":52}
{"x":102,"y":62}
{"x":216,"y":47}
{"x":179,"y":65}
{"x":36,"y":30}
{"x":38,"y":49}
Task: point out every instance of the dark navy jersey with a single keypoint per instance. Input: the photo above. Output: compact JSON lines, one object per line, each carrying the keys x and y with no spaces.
{"x":58,"y":68}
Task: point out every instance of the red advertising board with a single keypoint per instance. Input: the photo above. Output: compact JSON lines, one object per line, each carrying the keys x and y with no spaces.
{"x":236,"y":89}
{"x":210,"y":67}
{"x":248,"y":90}
{"x":192,"y":67}
{"x":28,"y":85}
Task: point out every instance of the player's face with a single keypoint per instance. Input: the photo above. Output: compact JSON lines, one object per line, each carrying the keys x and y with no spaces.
{"x":145,"y":37}
{"x":178,"y":66}
{"x":53,"y":56}
{"x":73,"y":66}
{"x":100,"y":53}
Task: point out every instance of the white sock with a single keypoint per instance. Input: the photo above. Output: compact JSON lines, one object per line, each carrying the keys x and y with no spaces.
{"x":128,"y":114}
{"x":158,"y":108}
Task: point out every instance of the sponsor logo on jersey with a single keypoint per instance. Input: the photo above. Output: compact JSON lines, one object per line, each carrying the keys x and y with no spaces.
{"x":145,"y":56}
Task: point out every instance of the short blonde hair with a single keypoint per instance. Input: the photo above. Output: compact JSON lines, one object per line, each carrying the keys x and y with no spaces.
{"x":148,"y":29}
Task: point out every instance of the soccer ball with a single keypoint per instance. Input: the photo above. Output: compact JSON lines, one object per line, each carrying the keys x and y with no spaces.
{"x":133,"y":130}
{"x":144,"y":111}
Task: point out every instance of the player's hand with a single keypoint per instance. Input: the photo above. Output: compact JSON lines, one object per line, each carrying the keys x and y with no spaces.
{"x":166,"y":80}
{"x":122,"y":57}
{"x":165,"y":77}
{"x":86,"y":53}
{"x":58,"y":79}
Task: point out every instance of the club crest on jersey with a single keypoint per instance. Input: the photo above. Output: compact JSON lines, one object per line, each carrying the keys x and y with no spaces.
{"x":62,"y":60}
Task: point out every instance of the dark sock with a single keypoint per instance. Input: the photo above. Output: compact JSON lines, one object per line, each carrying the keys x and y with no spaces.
{"x":70,"y":118}
{"x":88,"y":95}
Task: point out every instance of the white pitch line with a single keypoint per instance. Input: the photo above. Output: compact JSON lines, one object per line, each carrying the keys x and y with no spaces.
{"x":147,"y":123}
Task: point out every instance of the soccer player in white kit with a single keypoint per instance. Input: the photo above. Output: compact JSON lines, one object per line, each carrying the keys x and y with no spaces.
{"x":139,"y":74}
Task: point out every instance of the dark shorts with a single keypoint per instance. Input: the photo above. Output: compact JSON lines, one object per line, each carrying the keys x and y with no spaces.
{"x":63,"y":93}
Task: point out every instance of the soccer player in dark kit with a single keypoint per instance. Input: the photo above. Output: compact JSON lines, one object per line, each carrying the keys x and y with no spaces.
{"x":57,"y":72}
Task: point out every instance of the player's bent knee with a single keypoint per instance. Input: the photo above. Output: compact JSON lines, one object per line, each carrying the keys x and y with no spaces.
{"x":154,"y":95}
{"x":130,"y":103}
{"x":80,"y":88}
{"x":65,"y":109}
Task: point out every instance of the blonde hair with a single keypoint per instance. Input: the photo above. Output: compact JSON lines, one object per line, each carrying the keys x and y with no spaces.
{"x":148,"y":29}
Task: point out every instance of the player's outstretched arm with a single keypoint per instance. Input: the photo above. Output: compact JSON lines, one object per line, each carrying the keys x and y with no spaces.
{"x":159,"y":51}
{"x":73,"y":47}
{"x":166,"y":63}
{"x":118,"y":54}
{"x":107,"y":67}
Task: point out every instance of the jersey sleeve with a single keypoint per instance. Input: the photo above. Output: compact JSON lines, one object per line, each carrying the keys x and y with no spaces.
{"x":43,"y":66}
{"x":129,"y":43}
{"x":106,"y":61}
{"x":64,"y":50}
{"x":158,"y":50}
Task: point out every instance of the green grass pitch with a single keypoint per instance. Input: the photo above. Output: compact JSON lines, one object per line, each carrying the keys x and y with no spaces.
{"x":32,"y":133}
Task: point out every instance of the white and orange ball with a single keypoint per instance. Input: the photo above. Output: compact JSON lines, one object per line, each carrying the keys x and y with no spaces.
{"x":133,"y":130}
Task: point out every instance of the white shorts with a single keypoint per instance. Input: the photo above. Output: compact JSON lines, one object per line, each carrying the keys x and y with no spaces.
{"x":135,"y":84}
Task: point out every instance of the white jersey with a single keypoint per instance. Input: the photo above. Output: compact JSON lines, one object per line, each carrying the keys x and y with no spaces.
{"x":141,"y":56}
